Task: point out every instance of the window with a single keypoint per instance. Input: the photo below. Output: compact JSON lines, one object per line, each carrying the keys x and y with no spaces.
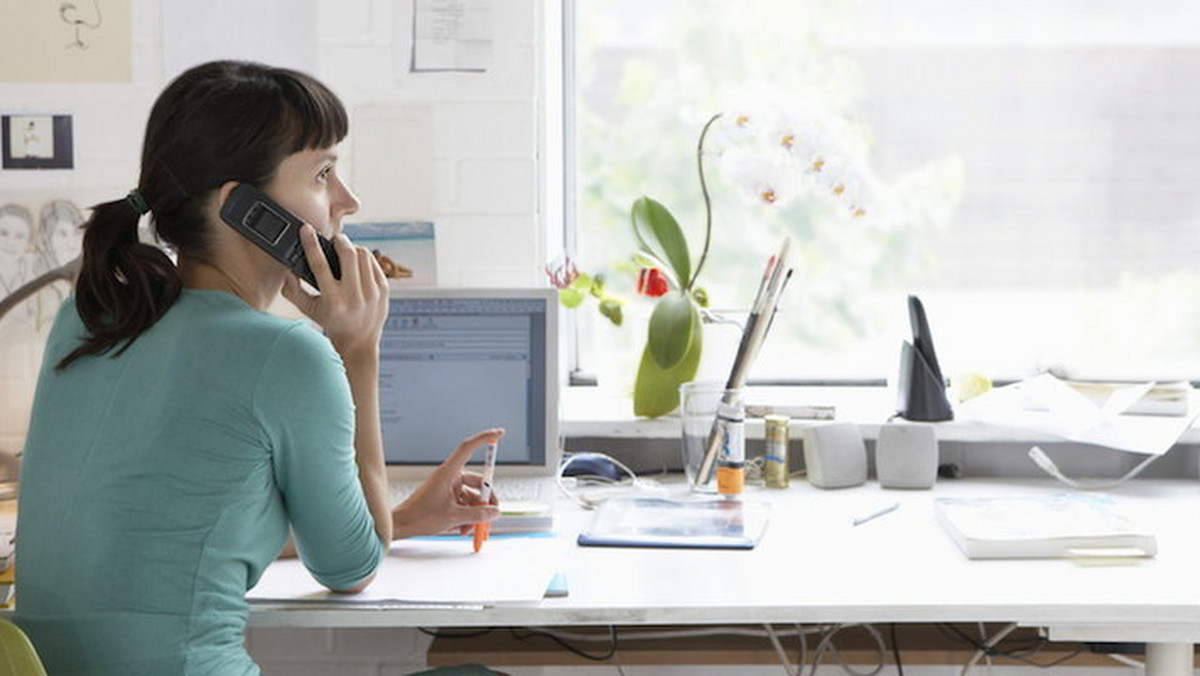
{"x":1038,"y":168}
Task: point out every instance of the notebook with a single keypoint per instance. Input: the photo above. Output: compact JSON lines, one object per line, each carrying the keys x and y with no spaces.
{"x":454,"y":361}
{"x":1064,"y":525}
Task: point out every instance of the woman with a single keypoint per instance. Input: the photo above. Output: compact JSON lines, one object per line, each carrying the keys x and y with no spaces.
{"x":178,"y":430}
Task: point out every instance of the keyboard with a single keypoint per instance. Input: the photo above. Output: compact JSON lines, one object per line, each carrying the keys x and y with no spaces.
{"x":525,"y":489}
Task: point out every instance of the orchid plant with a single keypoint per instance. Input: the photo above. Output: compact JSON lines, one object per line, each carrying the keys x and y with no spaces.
{"x":773,"y":158}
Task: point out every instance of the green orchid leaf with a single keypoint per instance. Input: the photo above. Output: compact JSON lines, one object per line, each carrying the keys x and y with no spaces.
{"x":671,"y":329}
{"x":656,"y":390}
{"x":611,"y":308}
{"x":570,"y":297}
{"x":660,"y":235}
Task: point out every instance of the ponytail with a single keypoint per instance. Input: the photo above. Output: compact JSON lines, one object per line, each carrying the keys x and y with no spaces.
{"x":124,"y":286}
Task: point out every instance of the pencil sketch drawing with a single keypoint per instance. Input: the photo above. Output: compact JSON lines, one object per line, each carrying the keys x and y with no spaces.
{"x":70,"y":13}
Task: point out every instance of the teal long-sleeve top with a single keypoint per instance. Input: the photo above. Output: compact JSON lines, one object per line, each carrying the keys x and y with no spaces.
{"x":157,"y":485}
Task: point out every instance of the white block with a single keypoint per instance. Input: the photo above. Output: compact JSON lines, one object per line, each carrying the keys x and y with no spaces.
{"x":834,"y":455}
{"x":906,"y":455}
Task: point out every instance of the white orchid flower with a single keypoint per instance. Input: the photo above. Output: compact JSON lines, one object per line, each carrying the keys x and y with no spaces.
{"x":760,"y":177}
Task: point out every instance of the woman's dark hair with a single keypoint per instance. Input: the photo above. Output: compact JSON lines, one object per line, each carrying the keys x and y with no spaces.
{"x":220,"y":121}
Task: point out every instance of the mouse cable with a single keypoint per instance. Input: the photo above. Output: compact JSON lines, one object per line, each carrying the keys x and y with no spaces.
{"x":516,"y":633}
{"x":1024,"y":652}
{"x":581,"y":497}
{"x":985,"y":648}
{"x":783,"y":658}
{"x":459,"y":633}
{"x":828,"y":644}
{"x":896,"y":649}
{"x":628,"y":634}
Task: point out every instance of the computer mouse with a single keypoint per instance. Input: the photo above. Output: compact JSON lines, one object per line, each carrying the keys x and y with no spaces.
{"x":595,"y":465}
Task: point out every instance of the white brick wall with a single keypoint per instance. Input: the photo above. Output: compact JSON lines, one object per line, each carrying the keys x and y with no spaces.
{"x":470,"y":167}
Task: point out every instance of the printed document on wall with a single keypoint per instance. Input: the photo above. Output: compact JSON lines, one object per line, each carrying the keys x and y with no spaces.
{"x":452,"y":35}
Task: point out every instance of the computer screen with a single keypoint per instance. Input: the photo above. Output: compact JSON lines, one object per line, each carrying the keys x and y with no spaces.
{"x":457,"y":361}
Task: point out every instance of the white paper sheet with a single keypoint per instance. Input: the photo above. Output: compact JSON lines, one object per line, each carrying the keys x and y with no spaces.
{"x":452,"y":35}
{"x":516,"y":568}
{"x":1073,"y":417}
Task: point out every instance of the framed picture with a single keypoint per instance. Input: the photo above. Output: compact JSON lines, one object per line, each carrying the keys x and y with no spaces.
{"x":32,"y":141}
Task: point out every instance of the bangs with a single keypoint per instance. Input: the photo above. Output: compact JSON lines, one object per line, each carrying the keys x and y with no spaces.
{"x":314,"y":116}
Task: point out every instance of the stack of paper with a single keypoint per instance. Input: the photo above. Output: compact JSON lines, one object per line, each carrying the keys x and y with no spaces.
{"x":524,"y":516}
{"x":1068,"y":525}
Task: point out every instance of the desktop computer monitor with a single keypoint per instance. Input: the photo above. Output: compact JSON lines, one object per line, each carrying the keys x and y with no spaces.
{"x":456,"y":361}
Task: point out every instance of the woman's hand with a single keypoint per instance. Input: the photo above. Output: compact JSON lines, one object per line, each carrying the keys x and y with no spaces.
{"x":352,"y":309}
{"x":449,"y":498}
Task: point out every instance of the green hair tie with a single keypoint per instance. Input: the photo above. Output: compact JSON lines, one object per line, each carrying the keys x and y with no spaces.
{"x":137,"y":201}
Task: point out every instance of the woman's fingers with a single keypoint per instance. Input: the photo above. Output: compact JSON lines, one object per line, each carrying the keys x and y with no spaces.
{"x":461,"y":455}
{"x":315,"y":256}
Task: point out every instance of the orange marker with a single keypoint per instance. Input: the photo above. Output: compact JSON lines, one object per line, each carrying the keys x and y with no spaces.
{"x":485,"y":491}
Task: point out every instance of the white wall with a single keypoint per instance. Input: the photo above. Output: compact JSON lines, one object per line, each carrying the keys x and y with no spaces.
{"x":460,"y":149}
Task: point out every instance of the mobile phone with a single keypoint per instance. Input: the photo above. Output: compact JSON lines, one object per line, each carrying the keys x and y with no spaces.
{"x":275,"y":230}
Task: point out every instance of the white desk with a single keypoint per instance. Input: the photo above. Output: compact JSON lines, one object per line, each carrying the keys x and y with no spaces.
{"x":813,"y":566}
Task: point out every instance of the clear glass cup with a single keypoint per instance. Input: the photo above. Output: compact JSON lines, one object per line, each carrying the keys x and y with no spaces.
{"x":698,"y":404}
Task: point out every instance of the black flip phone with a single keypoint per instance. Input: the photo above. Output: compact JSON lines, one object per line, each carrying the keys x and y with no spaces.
{"x":275,"y":230}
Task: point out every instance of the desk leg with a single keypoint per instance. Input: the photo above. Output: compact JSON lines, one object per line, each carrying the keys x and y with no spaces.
{"x":1168,"y":659}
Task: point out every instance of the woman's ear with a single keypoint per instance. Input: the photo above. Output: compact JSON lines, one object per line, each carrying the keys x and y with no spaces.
{"x":223,"y":193}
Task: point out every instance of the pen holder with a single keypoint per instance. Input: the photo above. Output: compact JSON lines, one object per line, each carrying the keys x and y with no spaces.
{"x":920,"y":395}
{"x":698,"y":405}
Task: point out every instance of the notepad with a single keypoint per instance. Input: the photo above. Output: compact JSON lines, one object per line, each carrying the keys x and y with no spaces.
{"x":1065,"y":525}
{"x":434,"y":570}
{"x":657,"y":522}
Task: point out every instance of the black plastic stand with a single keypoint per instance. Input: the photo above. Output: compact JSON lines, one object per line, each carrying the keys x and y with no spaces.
{"x":921,"y":395}
{"x":921,"y":389}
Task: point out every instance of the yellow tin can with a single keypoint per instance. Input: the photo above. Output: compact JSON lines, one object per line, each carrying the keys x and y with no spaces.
{"x":775,"y":464}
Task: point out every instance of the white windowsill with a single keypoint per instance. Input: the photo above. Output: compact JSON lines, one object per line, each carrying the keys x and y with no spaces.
{"x":596,"y":412}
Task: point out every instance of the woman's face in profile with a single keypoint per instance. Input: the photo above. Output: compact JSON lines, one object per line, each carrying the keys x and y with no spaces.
{"x":308,"y":185}
{"x":14,"y":236}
